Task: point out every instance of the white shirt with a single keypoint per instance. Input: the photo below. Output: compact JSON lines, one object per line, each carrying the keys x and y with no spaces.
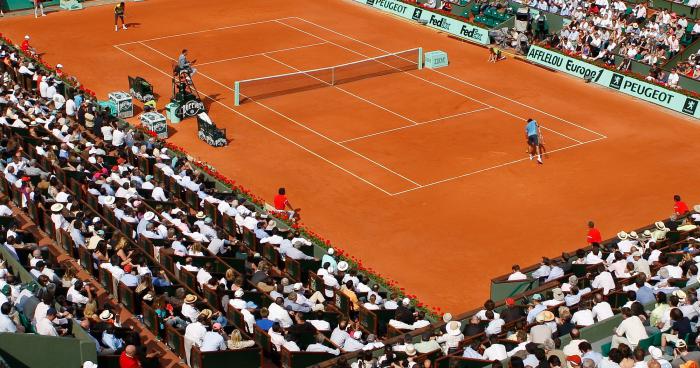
{"x":495,"y":352}
{"x":75,"y":296}
{"x":602,"y":311}
{"x":46,"y":328}
{"x":70,"y":107}
{"x":605,"y":281}
{"x":212,"y":341}
{"x":58,"y":101}
{"x":118,"y":138}
{"x":195,"y":331}
{"x":190,"y":312}
{"x":517,"y":276}
{"x":633,"y":329}
{"x":6,"y":324}
{"x":583,"y":317}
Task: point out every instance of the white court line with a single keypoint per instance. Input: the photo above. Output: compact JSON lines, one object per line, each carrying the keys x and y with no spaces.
{"x":297,"y":123}
{"x":262,"y":53}
{"x":350,"y":93}
{"x":493,"y":167}
{"x":203,"y":31}
{"x":447,"y":75}
{"x":412,"y":126}
{"x":421,"y":78}
{"x":266,"y":128}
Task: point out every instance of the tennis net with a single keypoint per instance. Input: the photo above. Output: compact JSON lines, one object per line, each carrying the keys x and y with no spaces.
{"x":259,"y":88}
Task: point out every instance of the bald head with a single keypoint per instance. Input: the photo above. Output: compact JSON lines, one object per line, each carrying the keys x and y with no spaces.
{"x":130,"y":350}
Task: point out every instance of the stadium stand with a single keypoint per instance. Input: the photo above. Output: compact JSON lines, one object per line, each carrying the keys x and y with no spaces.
{"x":141,"y":249}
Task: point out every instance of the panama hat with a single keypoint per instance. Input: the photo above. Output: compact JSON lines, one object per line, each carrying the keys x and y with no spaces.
{"x":633,"y":235}
{"x":200,"y":215}
{"x":454,"y":328}
{"x":558,"y":294}
{"x":545,"y":316}
{"x":622,"y":235}
{"x":660,"y":225}
{"x":655,"y":352}
{"x":410,"y":350}
{"x":57,"y":207}
{"x":646,"y":234}
{"x":109,"y":200}
{"x":89,"y":364}
{"x":696,"y":208}
{"x":106,"y":315}
{"x":239,"y":293}
{"x":206,"y":313}
{"x":680,"y":294}
{"x":148,"y":216}
{"x":343,"y":266}
{"x":190,"y":298}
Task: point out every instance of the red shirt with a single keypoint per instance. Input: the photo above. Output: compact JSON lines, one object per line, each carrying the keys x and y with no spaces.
{"x":126,"y":361}
{"x":680,"y":208}
{"x":594,"y":236}
{"x":25,"y":46}
{"x":280,"y":201}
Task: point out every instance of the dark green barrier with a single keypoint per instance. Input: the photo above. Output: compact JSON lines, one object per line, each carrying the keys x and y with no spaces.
{"x":302,"y":359}
{"x":244,"y":358}
{"x":55,"y":351}
{"x":150,"y":318}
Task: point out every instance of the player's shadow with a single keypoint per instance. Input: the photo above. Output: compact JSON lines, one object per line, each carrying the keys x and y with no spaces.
{"x":133,"y":25}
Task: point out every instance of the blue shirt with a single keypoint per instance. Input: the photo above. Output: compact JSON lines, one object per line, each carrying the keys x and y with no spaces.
{"x":112,"y":341}
{"x":531,"y":128}
{"x":645,"y":295}
{"x":264,"y":324}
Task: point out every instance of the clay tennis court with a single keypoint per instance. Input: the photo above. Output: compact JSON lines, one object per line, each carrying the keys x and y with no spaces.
{"x":420,"y":173}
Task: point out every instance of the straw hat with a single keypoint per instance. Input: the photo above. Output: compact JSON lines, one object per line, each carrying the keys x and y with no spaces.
{"x":57,"y":207}
{"x":190,"y":299}
{"x":545,"y":316}
{"x":343,"y":266}
{"x":660,"y":225}
{"x":633,"y":235}
{"x":148,"y":216}
{"x":106,"y":315}
{"x":558,"y":294}
{"x":109,"y":200}
{"x":200,"y":215}
{"x":454,"y":328}
{"x":239,"y":293}
{"x":410,"y":350}
{"x":206,"y":313}
{"x":622,"y":235}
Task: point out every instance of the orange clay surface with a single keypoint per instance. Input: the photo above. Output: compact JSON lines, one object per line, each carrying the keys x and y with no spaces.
{"x":423,"y":175}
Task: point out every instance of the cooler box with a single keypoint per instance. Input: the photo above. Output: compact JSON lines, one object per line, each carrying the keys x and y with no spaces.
{"x":170,"y":111}
{"x":436,"y":59}
{"x":156,"y":123}
{"x":108,"y":105}
{"x":124,"y":104}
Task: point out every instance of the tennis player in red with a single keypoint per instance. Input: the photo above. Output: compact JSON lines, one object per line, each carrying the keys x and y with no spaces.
{"x":593,"y":234}
{"x":679,"y":208}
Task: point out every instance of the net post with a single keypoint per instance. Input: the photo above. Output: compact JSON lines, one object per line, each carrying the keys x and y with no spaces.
{"x":420,"y":58}
{"x":236,"y":93}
